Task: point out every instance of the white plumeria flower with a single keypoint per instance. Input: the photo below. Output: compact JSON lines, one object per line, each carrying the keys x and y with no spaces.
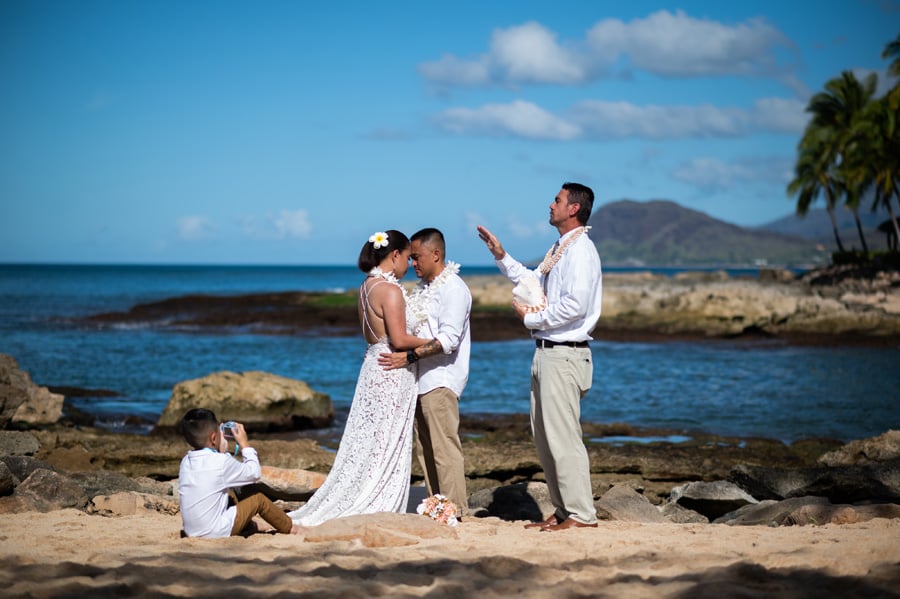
{"x":379,"y":239}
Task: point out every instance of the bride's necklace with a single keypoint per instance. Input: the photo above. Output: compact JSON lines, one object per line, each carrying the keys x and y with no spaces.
{"x":552,"y":257}
{"x":421,"y":296}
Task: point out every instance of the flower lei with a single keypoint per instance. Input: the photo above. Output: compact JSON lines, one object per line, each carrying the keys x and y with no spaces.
{"x":439,"y":508}
{"x":418,"y":302}
{"x":552,"y":257}
{"x":390,"y":277}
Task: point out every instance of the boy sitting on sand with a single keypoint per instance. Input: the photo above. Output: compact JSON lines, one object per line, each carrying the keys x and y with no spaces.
{"x":208,"y":472}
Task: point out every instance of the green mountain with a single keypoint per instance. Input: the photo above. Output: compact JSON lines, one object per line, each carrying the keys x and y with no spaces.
{"x":662,"y":233}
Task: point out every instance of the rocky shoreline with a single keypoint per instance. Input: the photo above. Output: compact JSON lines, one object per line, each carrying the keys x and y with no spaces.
{"x":827,"y":307}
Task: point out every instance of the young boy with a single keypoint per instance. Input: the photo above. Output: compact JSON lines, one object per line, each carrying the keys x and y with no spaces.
{"x":208,"y":472}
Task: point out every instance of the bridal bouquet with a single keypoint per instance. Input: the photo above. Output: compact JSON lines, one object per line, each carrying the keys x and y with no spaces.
{"x":528,"y":293}
{"x":437,"y":507}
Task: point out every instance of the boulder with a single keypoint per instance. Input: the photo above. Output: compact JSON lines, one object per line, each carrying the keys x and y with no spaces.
{"x":681,"y":515}
{"x":625,"y":504}
{"x":521,"y":501}
{"x":44,"y":491}
{"x":286,"y":484}
{"x":882,"y":448}
{"x":18,"y":443}
{"x":23,"y":402}
{"x":381,"y":530}
{"x":104,"y":482}
{"x":800,"y":511}
{"x":843,"y":484}
{"x":22,"y":466}
{"x":259,"y":400}
{"x":8,"y":482}
{"x":712,"y":499}
{"x":129,"y":503}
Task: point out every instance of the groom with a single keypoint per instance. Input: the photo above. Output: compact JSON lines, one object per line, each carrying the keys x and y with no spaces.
{"x":442,"y":302}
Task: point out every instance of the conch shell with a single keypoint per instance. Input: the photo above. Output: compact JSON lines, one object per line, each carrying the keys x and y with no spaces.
{"x":528,"y":293}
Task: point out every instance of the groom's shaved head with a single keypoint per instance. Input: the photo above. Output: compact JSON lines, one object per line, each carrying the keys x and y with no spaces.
{"x":432,"y":238}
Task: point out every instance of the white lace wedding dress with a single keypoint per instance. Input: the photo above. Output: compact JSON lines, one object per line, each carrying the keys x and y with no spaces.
{"x":371,"y":470}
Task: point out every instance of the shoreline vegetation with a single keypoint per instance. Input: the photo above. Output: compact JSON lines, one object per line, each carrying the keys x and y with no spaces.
{"x":836,"y":306}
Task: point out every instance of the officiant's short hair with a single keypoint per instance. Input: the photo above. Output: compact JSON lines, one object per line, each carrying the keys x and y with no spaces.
{"x":584,"y":197}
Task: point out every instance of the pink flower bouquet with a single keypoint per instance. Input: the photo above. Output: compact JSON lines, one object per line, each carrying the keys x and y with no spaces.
{"x":438,"y":507}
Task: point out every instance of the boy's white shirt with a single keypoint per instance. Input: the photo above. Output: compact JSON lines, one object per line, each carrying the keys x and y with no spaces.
{"x":204,"y":478}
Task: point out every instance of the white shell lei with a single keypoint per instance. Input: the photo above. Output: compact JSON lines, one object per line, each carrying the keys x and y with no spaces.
{"x":552,"y":257}
{"x":420,"y":298}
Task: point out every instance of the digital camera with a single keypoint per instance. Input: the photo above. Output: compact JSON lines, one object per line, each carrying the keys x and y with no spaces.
{"x":226,"y":429}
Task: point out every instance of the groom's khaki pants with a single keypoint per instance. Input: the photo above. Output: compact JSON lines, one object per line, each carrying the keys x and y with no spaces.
{"x":438,"y":445}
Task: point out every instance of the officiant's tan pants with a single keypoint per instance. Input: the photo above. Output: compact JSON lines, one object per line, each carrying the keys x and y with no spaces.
{"x":438,"y":446}
{"x":560,"y":376}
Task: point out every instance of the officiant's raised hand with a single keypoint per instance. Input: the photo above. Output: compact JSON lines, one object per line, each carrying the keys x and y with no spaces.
{"x":492,"y":243}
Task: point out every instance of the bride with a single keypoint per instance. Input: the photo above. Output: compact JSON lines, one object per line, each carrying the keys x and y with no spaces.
{"x":371,"y":470}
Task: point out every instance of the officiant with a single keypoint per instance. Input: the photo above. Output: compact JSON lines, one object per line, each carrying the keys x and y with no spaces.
{"x":562,"y":368}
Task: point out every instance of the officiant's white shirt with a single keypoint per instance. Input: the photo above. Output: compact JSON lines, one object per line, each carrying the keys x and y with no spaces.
{"x":448,"y":322}
{"x":574,"y":291}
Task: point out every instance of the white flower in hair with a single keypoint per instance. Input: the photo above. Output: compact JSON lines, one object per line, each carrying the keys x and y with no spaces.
{"x":528,"y":293}
{"x":379,"y":239}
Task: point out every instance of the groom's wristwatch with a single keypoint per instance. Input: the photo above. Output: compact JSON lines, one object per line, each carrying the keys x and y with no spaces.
{"x":411,"y":356}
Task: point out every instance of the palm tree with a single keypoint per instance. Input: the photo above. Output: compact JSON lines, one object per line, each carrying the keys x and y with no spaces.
{"x":892,"y":50}
{"x":813,"y":176}
{"x":882,"y":151}
{"x":838,"y":113}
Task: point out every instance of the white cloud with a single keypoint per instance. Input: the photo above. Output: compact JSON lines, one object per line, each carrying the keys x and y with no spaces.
{"x":192,"y":228}
{"x":518,"y":119}
{"x":677,"y":45}
{"x":529,"y":53}
{"x":292,"y":224}
{"x":611,"y":120}
{"x":781,"y":115}
{"x":599,"y":120}
{"x":664,"y":43}
{"x":522,"y":230}
{"x":712,"y":174}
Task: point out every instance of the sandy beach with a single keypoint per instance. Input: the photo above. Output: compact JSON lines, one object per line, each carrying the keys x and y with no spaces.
{"x":69,"y":553}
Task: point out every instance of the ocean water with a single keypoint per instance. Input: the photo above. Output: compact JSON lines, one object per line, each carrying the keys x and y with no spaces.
{"x":742,"y":388}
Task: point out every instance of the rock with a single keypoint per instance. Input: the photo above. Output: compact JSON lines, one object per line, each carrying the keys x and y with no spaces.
{"x":801,"y":511}
{"x":381,"y":530}
{"x":627,"y":505}
{"x":882,"y":448}
{"x":681,"y":515}
{"x":129,"y":503}
{"x":286,"y":484}
{"x":22,"y":466}
{"x":8,"y":482}
{"x":23,"y":402}
{"x":843,"y":484}
{"x":521,"y":501}
{"x":18,"y":443}
{"x":45,"y":490}
{"x":713,"y":499}
{"x":259,"y":400}
{"x":104,"y":482}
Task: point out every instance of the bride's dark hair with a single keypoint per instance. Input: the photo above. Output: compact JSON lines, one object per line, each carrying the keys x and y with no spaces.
{"x":370,"y":257}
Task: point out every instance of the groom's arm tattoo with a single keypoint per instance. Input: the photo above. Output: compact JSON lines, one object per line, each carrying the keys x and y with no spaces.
{"x":431,"y":348}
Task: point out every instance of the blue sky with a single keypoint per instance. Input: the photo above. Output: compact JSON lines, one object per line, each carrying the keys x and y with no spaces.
{"x":287,"y":132}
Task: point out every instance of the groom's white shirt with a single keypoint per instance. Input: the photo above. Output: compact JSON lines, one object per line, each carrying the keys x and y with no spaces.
{"x":448,"y":322}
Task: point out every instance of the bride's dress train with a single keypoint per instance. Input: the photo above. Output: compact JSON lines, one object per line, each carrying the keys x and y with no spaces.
{"x":371,"y":470}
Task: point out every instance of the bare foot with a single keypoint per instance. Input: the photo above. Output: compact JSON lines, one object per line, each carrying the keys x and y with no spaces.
{"x":296,"y":529}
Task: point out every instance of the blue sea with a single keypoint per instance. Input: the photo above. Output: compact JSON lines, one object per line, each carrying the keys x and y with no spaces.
{"x":734,"y":388}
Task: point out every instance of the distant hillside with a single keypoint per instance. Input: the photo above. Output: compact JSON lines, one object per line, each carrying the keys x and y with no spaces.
{"x":816,"y":225}
{"x":662,"y":233}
